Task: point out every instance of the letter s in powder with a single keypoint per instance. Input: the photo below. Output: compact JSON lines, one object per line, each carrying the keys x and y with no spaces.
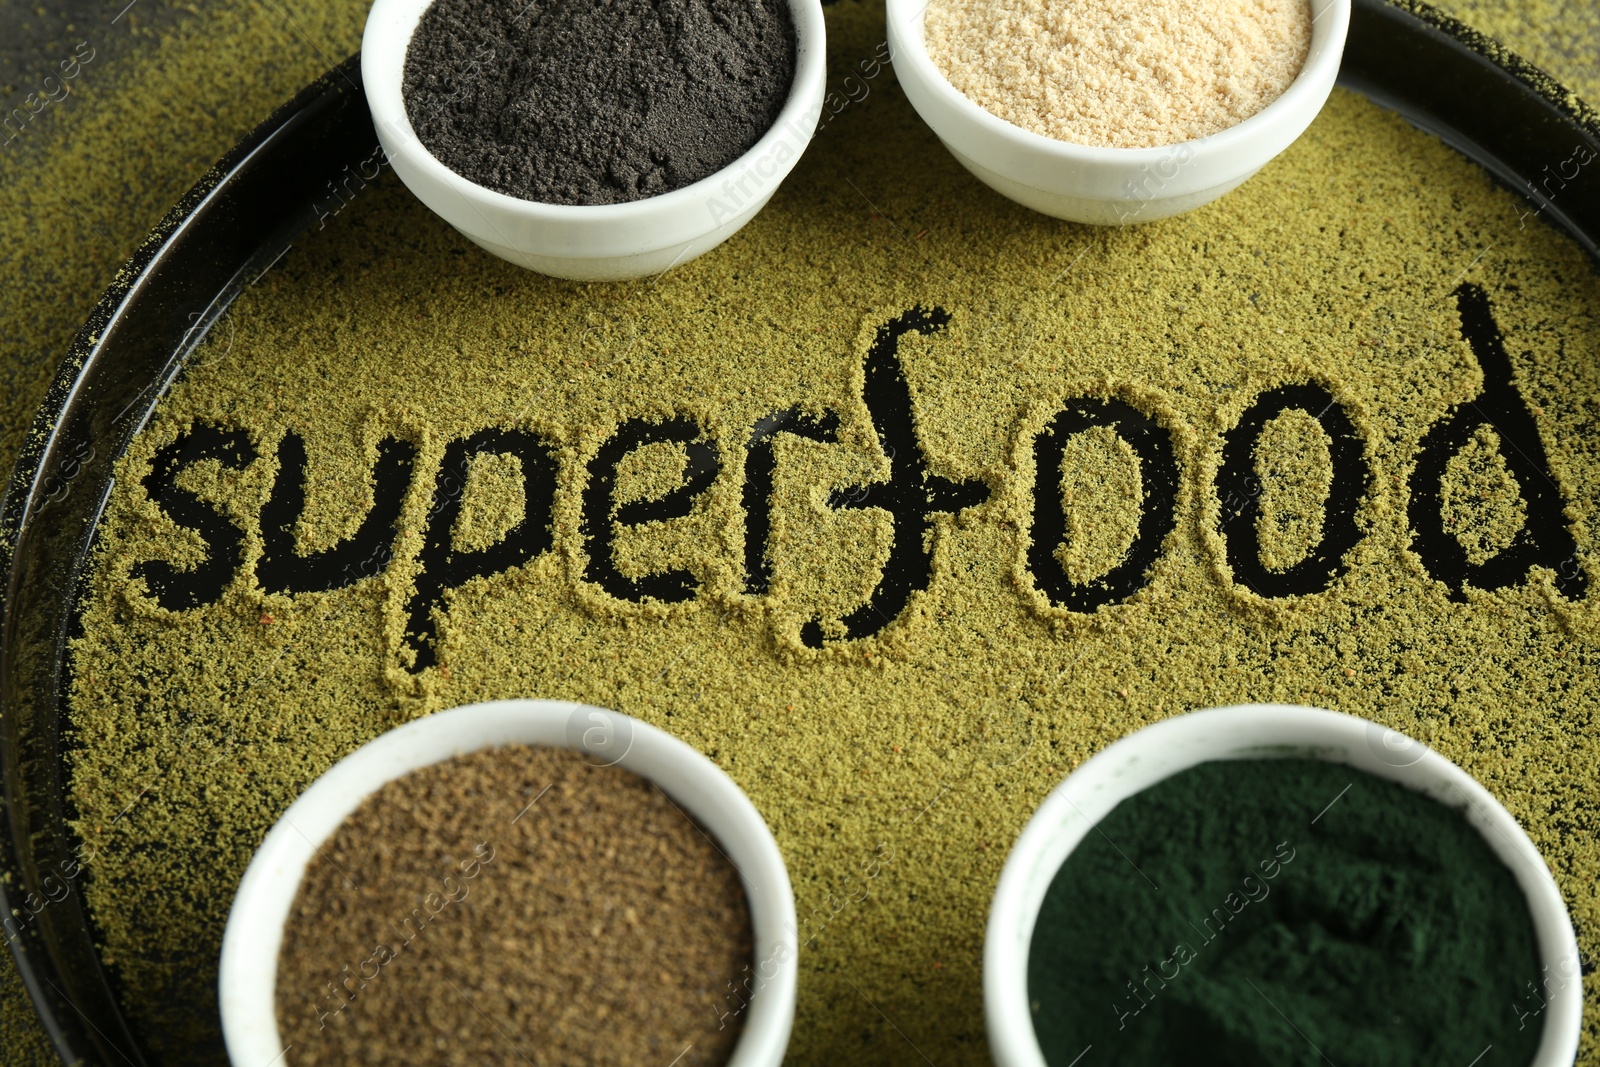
{"x":361,"y":968}
{"x":1278,"y":851}
{"x":1176,"y":968}
{"x":171,"y":587}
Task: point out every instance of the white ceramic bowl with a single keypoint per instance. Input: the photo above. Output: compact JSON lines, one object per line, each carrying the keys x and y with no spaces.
{"x":604,"y":241}
{"x":1256,"y":731}
{"x":1111,"y":186}
{"x":250,"y":942}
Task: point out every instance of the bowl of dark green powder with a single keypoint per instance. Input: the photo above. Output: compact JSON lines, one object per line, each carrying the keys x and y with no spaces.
{"x":1280,"y":885}
{"x":522,"y":880}
{"x":594,"y":139}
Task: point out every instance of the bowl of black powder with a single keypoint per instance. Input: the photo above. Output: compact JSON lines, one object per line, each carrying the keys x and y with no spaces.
{"x":1276,"y":884}
{"x":594,"y":139}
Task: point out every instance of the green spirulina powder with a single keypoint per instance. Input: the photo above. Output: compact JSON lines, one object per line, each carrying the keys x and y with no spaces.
{"x":1283,"y":912}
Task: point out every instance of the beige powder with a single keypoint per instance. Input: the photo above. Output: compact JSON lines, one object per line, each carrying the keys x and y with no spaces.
{"x":895,"y":772}
{"x":1120,"y":73}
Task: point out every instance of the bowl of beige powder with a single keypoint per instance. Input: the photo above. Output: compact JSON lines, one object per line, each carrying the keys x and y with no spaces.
{"x":1116,"y":111}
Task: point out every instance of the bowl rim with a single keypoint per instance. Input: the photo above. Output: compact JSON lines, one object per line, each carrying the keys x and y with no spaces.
{"x":906,"y":19}
{"x":252,"y":938}
{"x":383,"y":71}
{"x":1162,"y":749}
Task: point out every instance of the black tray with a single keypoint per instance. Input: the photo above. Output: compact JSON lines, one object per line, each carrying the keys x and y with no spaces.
{"x":1443,"y":77}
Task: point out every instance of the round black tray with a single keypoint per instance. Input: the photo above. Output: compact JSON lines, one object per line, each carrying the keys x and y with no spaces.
{"x":240,"y":219}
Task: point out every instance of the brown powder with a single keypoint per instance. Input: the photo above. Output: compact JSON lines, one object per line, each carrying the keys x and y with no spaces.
{"x":574,"y":905}
{"x":201,"y":87}
{"x":896,"y":772}
{"x":1120,"y":73}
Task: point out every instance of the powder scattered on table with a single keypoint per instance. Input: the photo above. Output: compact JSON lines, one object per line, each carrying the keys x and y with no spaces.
{"x":1120,"y":73}
{"x":1482,"y":503}
{"x":596,"y":101}
{"x":574,"y":904}
{"x":1294,"y":471}
{"x":894,"y":769}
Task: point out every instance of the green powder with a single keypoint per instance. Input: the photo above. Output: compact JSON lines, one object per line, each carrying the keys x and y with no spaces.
{"x":894,"y":775}
{"x":1283,"y":912}
{"x":1482,"y":501}
{"x":894,"y":769}
{"x":171,"y":101}
{"x":1102,"y":524}
{"x":1295,"y":469}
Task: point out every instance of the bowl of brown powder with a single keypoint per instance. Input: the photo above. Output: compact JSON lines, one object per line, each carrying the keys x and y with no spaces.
{"x":1116,"y":111}
{"x":596,"y":139}
{"x":521,"y":880}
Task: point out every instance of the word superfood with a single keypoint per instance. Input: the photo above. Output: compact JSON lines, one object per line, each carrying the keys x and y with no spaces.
{"x":911,"y":495}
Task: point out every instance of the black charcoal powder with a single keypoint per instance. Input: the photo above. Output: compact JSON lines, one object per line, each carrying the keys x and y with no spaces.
{"x":596,"y":101}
